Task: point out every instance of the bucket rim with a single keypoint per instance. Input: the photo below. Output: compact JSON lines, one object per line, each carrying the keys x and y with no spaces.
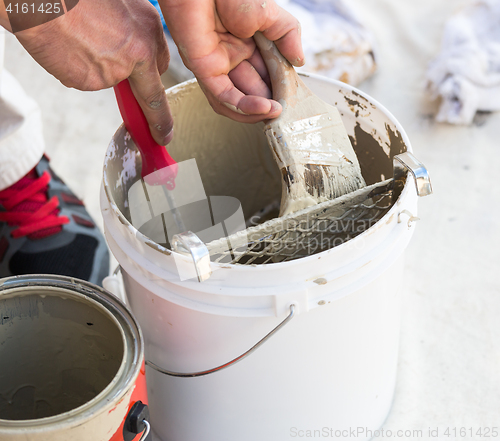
{"x":267,"y":266}
{"x":133,"y":347}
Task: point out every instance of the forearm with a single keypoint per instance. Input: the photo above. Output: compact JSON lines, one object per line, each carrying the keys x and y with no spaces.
{"x":99,"y":43}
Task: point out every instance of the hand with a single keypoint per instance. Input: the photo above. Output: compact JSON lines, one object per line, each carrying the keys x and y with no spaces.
{"x":99,"y":43}
{"x":215,"y":42}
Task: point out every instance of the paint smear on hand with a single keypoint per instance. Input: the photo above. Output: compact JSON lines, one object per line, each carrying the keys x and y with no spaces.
{"x":245,"y":7}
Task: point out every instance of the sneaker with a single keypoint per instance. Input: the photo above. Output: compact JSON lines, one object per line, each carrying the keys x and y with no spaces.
{"x":45,"y":229}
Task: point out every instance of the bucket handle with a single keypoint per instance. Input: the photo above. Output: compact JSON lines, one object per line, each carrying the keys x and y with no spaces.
{"x":137,"y":421}
{"x":118,"y":291}
{"x":407,"y":163}
{"x":230,"y":363}
{"x":146,"y":430}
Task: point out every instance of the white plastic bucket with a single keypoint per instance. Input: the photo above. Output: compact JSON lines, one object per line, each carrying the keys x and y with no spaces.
{"x":332,"y":368}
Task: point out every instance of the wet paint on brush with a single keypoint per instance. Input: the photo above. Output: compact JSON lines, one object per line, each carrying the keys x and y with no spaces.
{"x":373,"y":158}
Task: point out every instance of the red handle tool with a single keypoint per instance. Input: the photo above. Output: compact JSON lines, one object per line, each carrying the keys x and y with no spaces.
{"x":158,"y":167}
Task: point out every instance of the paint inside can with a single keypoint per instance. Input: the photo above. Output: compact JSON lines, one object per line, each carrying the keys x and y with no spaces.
{"x":57,"y":354}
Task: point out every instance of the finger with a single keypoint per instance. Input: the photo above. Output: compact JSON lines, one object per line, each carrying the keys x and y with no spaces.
{"x":150,"y":94}
{"x":229,"y":101}
{"x":246,"y":79}
{"x":162,"y":52}
{"x":258,"y":63}
{"x":228,"y":95}
{"x":227,"y":54}
{"x":285,"y":32}
{"x":250,"y":103}
{"x":243,"y":17}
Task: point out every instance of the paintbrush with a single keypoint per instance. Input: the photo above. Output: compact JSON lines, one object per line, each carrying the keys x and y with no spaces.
{"x":309,"y":141}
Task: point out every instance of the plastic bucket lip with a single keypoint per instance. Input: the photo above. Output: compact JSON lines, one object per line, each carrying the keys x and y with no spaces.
{"x":270,"y":266}
{"x":115,"y":310}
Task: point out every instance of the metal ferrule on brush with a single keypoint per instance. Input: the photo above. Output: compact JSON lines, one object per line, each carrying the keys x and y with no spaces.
{"x":310,"y":140}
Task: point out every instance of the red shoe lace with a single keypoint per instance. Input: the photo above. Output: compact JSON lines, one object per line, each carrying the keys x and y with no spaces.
{"x":29,"y":207}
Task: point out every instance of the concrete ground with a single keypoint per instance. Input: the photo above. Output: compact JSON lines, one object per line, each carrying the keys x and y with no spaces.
{"x":449,"y":373}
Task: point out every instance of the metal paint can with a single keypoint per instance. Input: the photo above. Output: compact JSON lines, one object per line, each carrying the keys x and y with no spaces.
{"x":71,"y":363}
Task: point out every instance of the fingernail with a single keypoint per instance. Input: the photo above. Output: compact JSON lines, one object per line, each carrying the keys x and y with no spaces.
{"x":298,"y":62}
{"x":275,"y":106}
{"x":168,"y":137}
{"x":234,"y":109}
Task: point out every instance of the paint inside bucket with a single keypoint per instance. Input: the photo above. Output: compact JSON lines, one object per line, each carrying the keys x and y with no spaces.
{"x":58,"y":352}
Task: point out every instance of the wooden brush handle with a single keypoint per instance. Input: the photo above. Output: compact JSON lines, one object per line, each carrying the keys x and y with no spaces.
{"x":287,"y":86}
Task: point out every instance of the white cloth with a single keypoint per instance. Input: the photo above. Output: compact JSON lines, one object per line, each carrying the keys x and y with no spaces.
{"x":21,"y":138}
{"x":466,"y":74}
{"x":335,"y":42}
